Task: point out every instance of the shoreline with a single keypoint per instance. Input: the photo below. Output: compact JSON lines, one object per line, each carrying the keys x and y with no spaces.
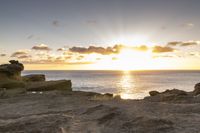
{"x":83,"y":112}
{"x":55,"y":108}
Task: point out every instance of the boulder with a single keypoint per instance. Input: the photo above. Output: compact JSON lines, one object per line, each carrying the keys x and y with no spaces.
{"x":196,"y":89}
{"x":49,"y":85}
{"x":11,"y":71}
{"x":168,"y":95}
{"x":33,"y":78}
{"x":175,"y":92}
{"x":153,"y":93}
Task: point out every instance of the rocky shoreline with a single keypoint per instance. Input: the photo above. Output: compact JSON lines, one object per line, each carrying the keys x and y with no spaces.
{"x":29,"y":104}
{"x":12,"y":83}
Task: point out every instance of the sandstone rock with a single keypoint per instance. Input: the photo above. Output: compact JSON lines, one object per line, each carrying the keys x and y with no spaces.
{"x":33,"y":78}
{"x":11,"y":84}
{"x":11,"y":92}
{"x":11,"y":71}
{"x":108,"y":94}
{"x":175,"y":92}
{"x":49,"y":85}
{"x":196,"y":89}
{"x":168,"y":95}
{"x":153,"y":93}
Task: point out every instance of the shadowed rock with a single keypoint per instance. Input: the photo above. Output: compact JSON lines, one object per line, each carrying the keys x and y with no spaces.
{"x":153,"y":93}
{"x":11,"y":84}
{"x":196,"y":89}
{"x":33,"y":78}
{"x":107,"y":117}
{"x":50,"y":85}
{"x":11,"y":71}
{"x":168,"y":95}
{"x":175,"y":92}
{"x":11,"y":80}
{"x":148,"y":125}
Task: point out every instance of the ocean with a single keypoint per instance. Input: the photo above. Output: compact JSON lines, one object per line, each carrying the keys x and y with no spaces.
{"x":128,"y":84}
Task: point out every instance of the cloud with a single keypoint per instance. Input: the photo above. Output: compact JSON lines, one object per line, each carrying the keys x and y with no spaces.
{"x":114,"y":58}
{"x":94,"y":49}
{"x":163,"y":56}
{"x":106,"y":50}
{"x":91,"y":22}
{"x":24,"y":56}
{"x":160,"y":49}
{"x":19,"y":53}
{"x":163,"y":28}
{"x":80,"y":57}
{"x":2,"y":55}
{"x":30,"y":37}
{"x":56,"y":61}
{"x":179,"y":43}
{"x":56,"y":23}
{"x":61,"y":49}
{"x":41,"y":47}
{"x":189,"y":43}
{"x":33,"y":37}
{"x":141,"y":48}
{"x":175,"y":43}
{"x":188,"y":25}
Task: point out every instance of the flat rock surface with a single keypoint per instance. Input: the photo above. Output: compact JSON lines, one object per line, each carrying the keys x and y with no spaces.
{"x":49,"y":85}
{"x":83,"y":112}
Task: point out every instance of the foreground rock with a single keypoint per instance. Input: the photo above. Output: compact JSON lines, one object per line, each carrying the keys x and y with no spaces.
{"x":55,"y":111}
{"x":11,"y":71}
{"x":65,"y":85}
{"x":80,"y":112}
{"x":34,"y":78}
{"x":196,"y":89}
{"x":11,"y":81}
{"x":12,"y":84}
{"x":175,"y":95}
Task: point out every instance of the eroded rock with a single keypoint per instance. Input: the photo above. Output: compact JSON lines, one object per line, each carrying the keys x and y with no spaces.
{"x":153,"y":93}
{"x":168,"y":95}
{"x":11,"y":84}
{"x":11,"y":71}
{"x":33,"y":77}
{"x":196,"y":89}
{"x":50,"y":85}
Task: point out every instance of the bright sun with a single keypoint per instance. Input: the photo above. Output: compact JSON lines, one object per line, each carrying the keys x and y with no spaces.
{"x":129,"y":59}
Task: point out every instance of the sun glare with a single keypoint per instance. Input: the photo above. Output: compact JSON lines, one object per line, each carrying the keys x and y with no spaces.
{"x":131,"y":39}
{"x":129,"y":59}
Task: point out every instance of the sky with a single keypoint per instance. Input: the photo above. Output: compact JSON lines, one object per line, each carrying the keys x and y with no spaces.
{"x":101,"y":34}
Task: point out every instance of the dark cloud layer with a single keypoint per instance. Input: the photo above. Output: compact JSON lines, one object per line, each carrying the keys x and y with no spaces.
{"x":175,"y":43}
{"x":61,"y":49}
{"x":24,"y":57}
{"x":179,"y":43}
{"x":56,"y":61}
{"x":189,"y":43}
{"x":94,"y":49}
{"x":41,"y":54}
{"x":105,"y":51}
{"x":19,"y":53}
{"x":41,"y":47}
{"x":160,"y":49}
{"x":2,"y":55}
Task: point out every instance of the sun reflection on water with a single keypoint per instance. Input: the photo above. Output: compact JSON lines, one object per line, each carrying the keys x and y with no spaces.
{"x":127,"y":86}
